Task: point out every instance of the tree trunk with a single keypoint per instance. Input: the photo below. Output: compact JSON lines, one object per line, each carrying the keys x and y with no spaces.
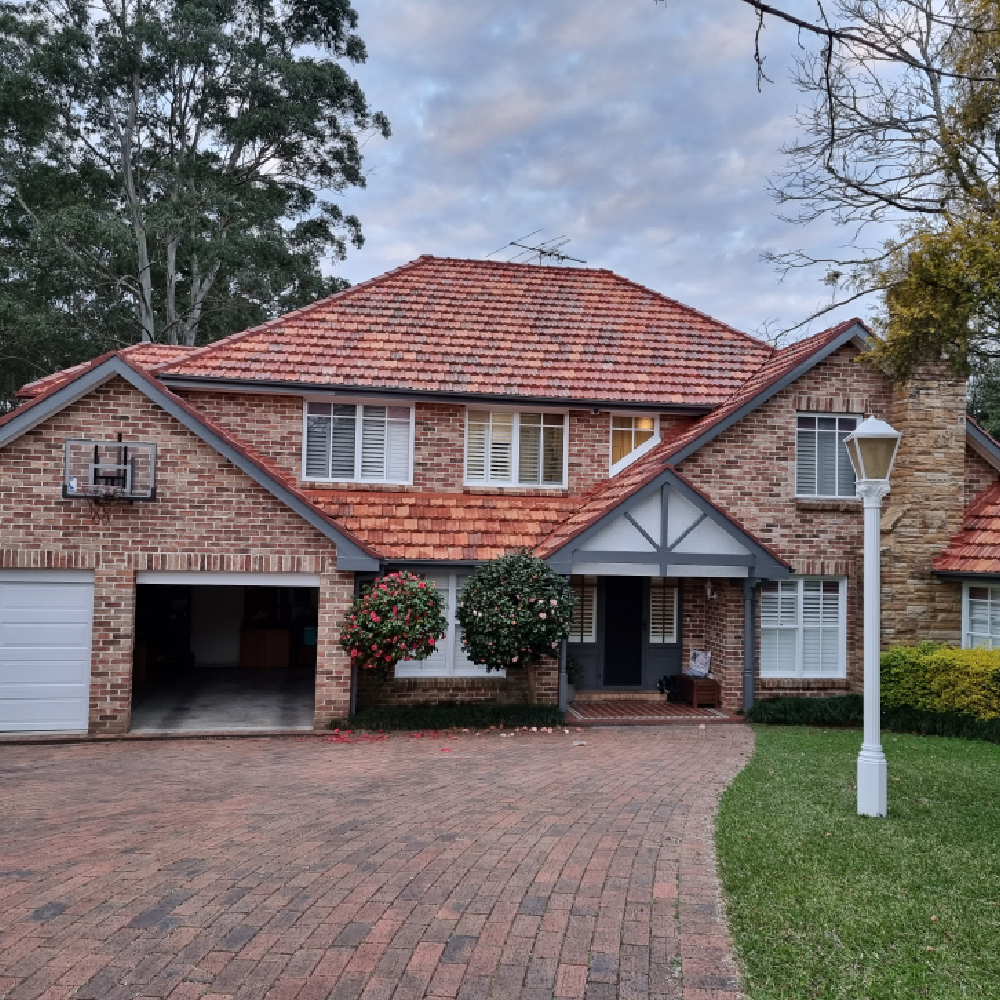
{"x":532,"y":682}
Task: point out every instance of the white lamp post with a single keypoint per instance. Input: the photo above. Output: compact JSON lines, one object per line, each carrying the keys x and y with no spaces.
{"x":872,"y":449}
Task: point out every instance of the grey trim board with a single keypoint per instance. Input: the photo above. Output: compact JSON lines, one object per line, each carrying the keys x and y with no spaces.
{"x":350,"y":556}
{"x":983,"y":443}
{"x":443,"y":396}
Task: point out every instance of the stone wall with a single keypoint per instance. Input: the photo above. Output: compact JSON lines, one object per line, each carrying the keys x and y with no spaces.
{"x":924,"y":509}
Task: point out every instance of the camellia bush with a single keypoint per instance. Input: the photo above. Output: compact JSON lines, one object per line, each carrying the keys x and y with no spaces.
{"x":398,"y":617}
{"x":514,"y":610}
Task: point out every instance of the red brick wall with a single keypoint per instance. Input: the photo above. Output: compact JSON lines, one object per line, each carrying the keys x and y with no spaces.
{"x":979,"y":475}
{"x":273,"y":425}
{"x":749,"y":471}
{"x":208,"y":515}
{"x":509,"y":690}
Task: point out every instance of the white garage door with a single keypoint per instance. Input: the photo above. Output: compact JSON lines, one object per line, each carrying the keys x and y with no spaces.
{"x":45,"y":635}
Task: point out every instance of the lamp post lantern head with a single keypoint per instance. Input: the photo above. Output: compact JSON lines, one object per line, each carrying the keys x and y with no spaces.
{"x":872,"y":449}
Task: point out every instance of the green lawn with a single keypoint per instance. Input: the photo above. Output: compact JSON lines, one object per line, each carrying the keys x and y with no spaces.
{"x":823,"y":903}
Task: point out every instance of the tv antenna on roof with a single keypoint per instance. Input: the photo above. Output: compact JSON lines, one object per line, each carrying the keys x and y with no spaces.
{"x":546,"y":250}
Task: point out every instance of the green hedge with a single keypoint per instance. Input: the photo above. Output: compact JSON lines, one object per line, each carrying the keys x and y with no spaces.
{"x":848,"y":710}
{"x":942,"y":679}
{"x":452,"y":716}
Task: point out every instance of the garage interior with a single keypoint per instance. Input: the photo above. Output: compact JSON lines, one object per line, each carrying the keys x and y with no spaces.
{"x":217,"y":658}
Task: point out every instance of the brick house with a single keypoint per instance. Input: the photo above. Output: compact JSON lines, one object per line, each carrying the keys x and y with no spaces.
{"x":690,"y":480}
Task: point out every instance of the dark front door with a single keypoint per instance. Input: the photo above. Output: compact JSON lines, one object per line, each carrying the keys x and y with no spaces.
{"x":623,"y":618}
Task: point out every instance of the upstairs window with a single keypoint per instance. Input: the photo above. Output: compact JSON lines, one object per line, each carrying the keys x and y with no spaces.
{"x":515,"y":449}
{"x":822,"y":465}
{"x":358,"y":443}
{"x":630,"y":437}
{"x":802,"y":628}
{"x":584,"y":628}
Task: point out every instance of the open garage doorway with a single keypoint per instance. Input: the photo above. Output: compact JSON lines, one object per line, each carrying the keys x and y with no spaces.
{"x":223,"y":656}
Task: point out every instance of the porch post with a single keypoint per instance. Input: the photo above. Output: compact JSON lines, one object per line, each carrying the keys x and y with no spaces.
{"x":563,"y":680}
{"x":749,"y":640}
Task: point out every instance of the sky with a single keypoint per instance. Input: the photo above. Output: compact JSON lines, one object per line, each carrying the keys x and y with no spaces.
{"x":633,"y":127}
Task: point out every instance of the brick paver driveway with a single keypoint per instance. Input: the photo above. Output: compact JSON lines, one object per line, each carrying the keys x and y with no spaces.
{"x":505,"y":867}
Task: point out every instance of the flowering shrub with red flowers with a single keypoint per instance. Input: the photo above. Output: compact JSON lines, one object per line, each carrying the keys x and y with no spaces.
{"x":514,"y":610}
{"x":398,"y":617}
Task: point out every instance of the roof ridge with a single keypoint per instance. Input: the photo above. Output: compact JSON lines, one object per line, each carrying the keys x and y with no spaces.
{"x":302,"y":310}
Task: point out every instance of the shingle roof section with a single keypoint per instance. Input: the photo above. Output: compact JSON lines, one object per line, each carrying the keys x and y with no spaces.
{"x":976,"y":549}
{"x":473,"y":326}
{"x":139,"y":355}
{"x":443,"y":526}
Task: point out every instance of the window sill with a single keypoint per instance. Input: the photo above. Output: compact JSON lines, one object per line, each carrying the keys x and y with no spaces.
{"x":828,"y":503}
{"x":512,"y":489}
{"x":352,"y":484}
{"x":765,"y":681}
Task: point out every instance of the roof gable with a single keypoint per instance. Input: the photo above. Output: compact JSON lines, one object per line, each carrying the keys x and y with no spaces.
{"x":782,"y":368}
{"x":351,"y":552}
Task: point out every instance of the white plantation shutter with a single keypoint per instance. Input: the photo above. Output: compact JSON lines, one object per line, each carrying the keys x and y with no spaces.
{"x":826,"y":457}
{"x":477,"y":438}
{"x":501,"y":447}
{"x":342,"y":443}
{"x":318,"y":440}
{"x":805,"y":457}
{"x":662,"y":610}
{"x":373,"y":443}
{"x":529,"y":460}
{"x":779,"y":622}
{"x":499,"y":442}
{"x":802,"y":628}
{"x":397,"y":443}
{"x":584,"y":628}
{"x":332,"y":442}
{"x":552,"y":449}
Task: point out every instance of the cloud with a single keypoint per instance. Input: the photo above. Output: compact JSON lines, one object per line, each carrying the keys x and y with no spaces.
{"x":633,"y":127}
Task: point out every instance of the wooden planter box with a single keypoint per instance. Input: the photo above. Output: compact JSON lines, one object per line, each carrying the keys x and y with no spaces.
{"x":699,"y":691}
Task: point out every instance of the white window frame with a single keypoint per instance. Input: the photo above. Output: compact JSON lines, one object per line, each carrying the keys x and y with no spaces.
{"x":795,"y":472}
{"x":512,"y":483}
{"x":452,"y":640}
{"x":799,"y":673}
{"x":655,"y":640}
{"x":992,"y":641}
{"x":623,"y":463}
{"x":359,"y":406}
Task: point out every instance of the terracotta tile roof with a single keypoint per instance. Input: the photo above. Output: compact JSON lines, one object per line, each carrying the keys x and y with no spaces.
{"x":609,"y":494}
{"x":441,"y":526}
{"x":139,"y":355}
{"x":473,"y":326}
{"x":976,"y":549}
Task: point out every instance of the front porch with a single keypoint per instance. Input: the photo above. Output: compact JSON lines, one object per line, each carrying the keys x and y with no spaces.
{"x":664,"y":576}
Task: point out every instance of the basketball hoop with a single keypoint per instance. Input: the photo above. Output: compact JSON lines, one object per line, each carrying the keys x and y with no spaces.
{"x":102,"y":502}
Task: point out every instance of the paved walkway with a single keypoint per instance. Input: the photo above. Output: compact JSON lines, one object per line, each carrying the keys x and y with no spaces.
{"x":302,"y":869}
